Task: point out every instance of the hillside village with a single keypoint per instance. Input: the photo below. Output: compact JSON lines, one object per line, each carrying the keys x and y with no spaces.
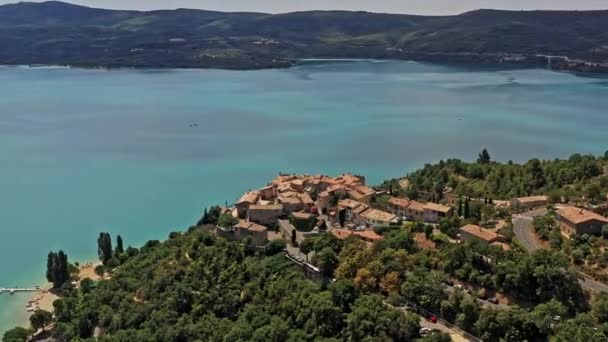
{"x":295,"y":207}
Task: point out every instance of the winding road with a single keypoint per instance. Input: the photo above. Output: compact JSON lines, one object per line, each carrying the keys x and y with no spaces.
{"x":522,"y":227}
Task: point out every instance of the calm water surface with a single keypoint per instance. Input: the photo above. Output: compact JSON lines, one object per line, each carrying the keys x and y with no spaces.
{"x":84,"y":151}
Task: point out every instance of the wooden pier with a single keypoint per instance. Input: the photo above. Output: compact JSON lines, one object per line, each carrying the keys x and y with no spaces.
{"x":18,"y":289}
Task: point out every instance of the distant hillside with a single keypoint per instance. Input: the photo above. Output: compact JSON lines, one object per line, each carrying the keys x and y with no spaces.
{"x":60,"y":33}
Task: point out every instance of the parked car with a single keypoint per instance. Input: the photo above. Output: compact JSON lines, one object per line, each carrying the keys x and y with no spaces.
{"x":433,"y":319}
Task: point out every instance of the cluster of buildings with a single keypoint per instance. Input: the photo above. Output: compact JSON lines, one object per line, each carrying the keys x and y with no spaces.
{"x":309,"y":203}
{"x":417,"y":211}
{"x":304,"y":199}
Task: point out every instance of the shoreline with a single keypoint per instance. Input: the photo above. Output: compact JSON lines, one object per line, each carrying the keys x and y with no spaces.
{"x":580,"y":68}
{"x":43,"y":298}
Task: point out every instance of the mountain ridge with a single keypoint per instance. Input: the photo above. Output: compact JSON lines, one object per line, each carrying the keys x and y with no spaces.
{"x":61,"y":33}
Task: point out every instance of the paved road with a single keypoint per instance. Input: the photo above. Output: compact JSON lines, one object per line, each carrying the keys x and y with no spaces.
{"x":522,"y":227}
{"x":441,"y":325}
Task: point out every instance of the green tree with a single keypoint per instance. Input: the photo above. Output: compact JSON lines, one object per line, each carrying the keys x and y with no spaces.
{"x":58,"y":270}
{"x":227,"y":220}
{"x":86,"y":285}
{"x":306,"y":247}
{"x":104,"y":247}
{"x":581,"y":328}
{"x":600,"y":307}
{"x":119,"y":246}
{"x":275,"y":247}
{"x":18,"y":334}
{"x":428,"y":231}
{"x":100,"y":270}
{"x":370,"y":319}
{"x":40,"y":319}
{"x":327,"y":261}
{"x":484,"y":157}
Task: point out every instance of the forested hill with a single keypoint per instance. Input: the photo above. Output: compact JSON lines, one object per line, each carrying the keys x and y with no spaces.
{"x":60,"y":33}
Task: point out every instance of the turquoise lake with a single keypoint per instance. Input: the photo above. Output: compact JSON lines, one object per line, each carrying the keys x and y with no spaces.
{"x":84,"y":151}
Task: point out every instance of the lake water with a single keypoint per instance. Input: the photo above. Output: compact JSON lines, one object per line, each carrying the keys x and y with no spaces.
{"x":84,"y":151}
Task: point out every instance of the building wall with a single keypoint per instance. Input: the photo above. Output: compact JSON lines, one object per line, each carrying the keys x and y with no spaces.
{"x":414,"y":215}
{"x":259,"y":238}
{"x":267,"y":194}
{"x":592,"y":227}
{"x":397,"y":210}
{"x":241,"y":209}
{"x":430,"y":215}
{"x":264,"y":217}
{"x":528,"y":205}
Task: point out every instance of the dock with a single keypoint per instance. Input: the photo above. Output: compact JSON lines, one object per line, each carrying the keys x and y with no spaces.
{"x":18,"y":289}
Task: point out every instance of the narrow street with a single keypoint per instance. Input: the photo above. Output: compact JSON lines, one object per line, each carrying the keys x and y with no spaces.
{"x":522,"y":227}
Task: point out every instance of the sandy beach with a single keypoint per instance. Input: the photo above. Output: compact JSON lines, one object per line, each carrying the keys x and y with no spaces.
{"x":44,"y":298}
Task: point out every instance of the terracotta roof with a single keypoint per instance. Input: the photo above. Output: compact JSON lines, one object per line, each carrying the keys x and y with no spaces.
{"x":532,"y":199}
{"x":289,"y":194}
{"x":578,"y":215}
{"x":254,"y":227}
{"x":336,"y":187}
{"x":306,"y":199}
{"x":348,"y":203}
{"x":284,"y":187}
{"x":297,"y":182}
{"x":283,"y":178}
{"x":399,"y":202}
{"x":369,"y":235}
{"x":480,"y":233}
{"x":289,"y":200}
{"x":417,"y":206}
{"x":378,"y":215}
{"x":365,"y":190}
{"x":343,"y":234}
{"x":356,"y":195}
{"x":360,"y":209}
{"x":266,"y":207}
{"x":324,"y":194}
{"x":268,"y":187}
{"x":249,"y":197}
{"x":303,"y":216}
{"x":437,"y":207}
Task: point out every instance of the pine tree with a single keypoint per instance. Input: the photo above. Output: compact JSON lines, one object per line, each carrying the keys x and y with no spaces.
{"x":484,"y":157}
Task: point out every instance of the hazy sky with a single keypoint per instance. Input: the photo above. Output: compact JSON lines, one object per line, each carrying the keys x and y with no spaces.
{"x":397,"y":6}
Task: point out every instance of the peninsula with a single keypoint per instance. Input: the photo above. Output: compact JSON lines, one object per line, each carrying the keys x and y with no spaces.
{"x":56,"y":33}
{"x":477,"y":251}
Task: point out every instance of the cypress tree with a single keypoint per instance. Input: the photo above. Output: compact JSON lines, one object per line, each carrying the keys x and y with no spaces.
{"x":104,"y":247}
{"x":119,"y":247}
{"x":466,"y":208}
{"x":50,"y":265}
{"x":460,"y":207}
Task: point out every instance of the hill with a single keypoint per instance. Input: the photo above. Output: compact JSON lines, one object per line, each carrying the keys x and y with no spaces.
{"x":66,"y":34}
